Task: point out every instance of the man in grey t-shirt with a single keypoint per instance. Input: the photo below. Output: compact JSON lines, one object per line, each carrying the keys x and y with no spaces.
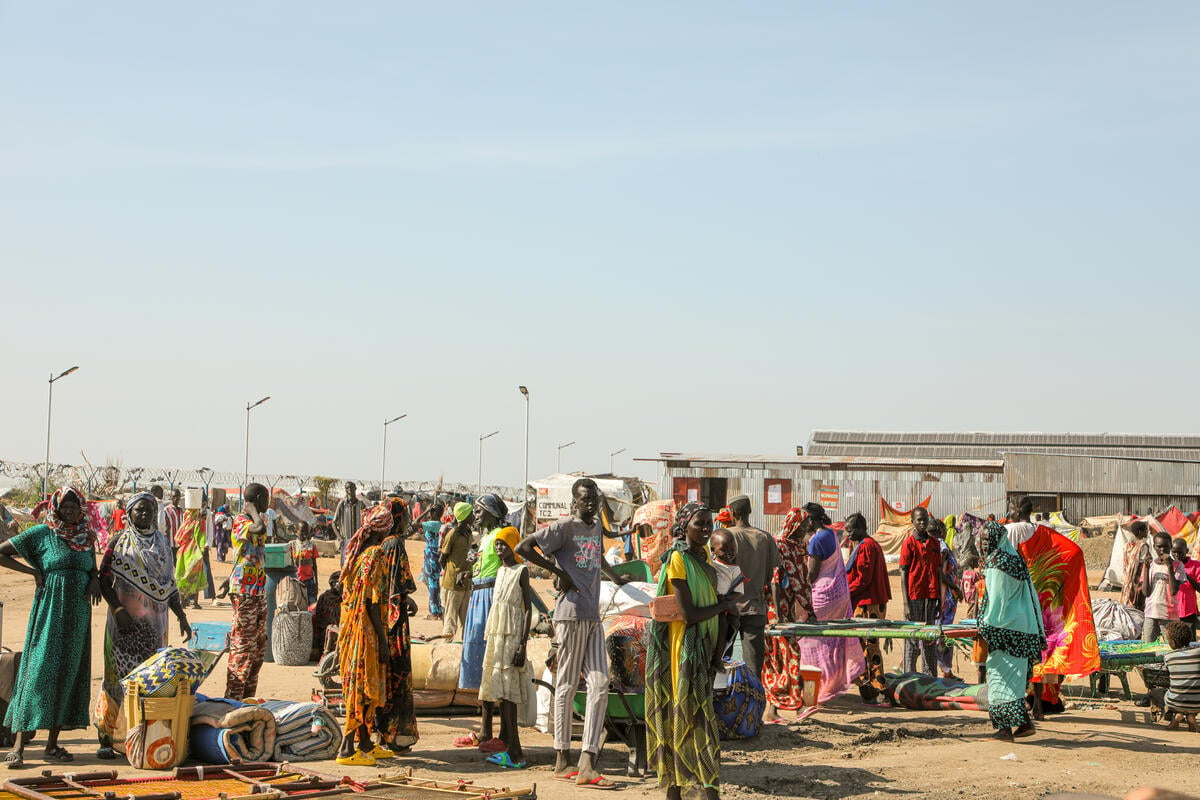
{"x":573,"y":549}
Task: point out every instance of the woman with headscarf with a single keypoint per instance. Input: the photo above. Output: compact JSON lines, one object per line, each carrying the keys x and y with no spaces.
{"x":490,"y":512}
{"x":782,"y":659}
{"x":681,"y":720}
{"x":363,"y":650}
{"x":398,"y":717}
{"x":841,"y":661}
{"x":137,"y":580}
{"x":1010,"y":624}
{"x":54,"y":679}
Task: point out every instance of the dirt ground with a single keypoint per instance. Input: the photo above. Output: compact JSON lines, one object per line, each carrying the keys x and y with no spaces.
{"x":1104,"y":746}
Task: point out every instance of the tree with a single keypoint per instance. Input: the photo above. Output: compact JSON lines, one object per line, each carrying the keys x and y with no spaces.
{"x":323,"y":486}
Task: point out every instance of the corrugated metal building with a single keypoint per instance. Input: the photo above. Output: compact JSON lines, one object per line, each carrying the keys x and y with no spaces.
{"x":849,"y":471}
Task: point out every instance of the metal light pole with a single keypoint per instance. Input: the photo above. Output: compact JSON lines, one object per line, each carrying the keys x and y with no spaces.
{"x":525,"y":391}
{"x":562,"y":447}
{"x":49,"y":408}
{"x":246,"y":471}
{"x":383,"y":470}
{"x":479,"y":484}
{"x":610,"y":459}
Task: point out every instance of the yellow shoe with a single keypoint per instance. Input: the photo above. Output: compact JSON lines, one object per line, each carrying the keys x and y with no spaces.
{"x":382,"y":752}
{"x":359,"y":759}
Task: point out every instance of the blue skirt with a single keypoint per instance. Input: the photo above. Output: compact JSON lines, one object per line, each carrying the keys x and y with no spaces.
{"x":470,"y":671}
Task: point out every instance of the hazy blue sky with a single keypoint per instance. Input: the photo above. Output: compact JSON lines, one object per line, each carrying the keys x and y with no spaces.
{"x":686,"y":226}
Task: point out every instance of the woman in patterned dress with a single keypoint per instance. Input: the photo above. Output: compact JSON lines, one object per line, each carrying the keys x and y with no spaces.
{"x":782,"y":660}
{"x":1010,"y":623}
{"x":137,"y":579}
{"x":431,"y":570}
{"x":54,"y":678}
{"x":398,"y":717}
{"x":363,"y":656}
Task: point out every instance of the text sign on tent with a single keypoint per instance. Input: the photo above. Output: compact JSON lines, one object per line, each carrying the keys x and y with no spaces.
{"x":553,"y":503}
{"x":777,"y":496}
{"x":829,"y":497}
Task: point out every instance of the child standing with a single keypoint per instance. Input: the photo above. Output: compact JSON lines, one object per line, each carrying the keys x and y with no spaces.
{"x":304,"y":553}
{"x":506,"y":673}
{"x":1161,"y":577}
{"x":972,"y":575}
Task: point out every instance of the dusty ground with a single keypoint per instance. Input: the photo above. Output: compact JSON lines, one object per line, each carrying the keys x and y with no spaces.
{"x":846,"y":750}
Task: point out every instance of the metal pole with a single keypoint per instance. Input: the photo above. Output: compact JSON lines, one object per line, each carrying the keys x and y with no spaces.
{"x":46,"y":466}
{"x":246,"y":469}
{"x":383,"y":469}
{"x":525,"y":513}
{"x":561,"y":447}
{"x":479,"y":481}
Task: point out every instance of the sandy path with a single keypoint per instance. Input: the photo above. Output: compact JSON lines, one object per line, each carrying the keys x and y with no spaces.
{"x":847,"y":750}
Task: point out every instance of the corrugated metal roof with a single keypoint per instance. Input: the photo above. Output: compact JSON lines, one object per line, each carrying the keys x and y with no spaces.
{"x":991,"y":445}
{"x":817,"y":461}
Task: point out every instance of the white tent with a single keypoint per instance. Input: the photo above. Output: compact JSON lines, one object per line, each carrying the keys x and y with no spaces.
{"x":553,"y":495}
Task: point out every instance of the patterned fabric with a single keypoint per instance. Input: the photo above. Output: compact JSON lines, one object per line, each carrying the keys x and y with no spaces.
{"x":682,"y":518}
{"x":872,"y":679}
{"x":658,"y":516}
{"x":782,"y":659}
{"x":54,"y":677}
{"x":377,"y":520}
{"x":1133,"y":594}
{"x":191,"y":543}
{"x":505,"y":633}
{"x":364,"y":682}
{"x":681,"y":720}
{"x":249,"y":575}
{"x":247,"y":645}
{"x":431,"y":571}
{"x":840,"y":660}
{"x":305,"y":550}
{"x":922,"y":692}
{"x":138,"y":565}
{"x":160,"y":674}
{"x":740,"y":707}
{"x":398,"y":717}
{"x":1059,"y":575}
{"x":79,"y":536}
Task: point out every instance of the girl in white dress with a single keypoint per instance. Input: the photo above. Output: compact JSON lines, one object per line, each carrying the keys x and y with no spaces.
{"x":506,"y":672}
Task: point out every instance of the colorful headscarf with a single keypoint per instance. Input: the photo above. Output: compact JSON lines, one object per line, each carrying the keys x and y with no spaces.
{"x":725,"y":516}
{"x":792,"y":522}
{"x":492,"y":504}
{"x":510,"y":536}
{"x":78,"y":536}
{"x":679,"y":529}
{"x":462,"y":511}
{"x":376,"y":520}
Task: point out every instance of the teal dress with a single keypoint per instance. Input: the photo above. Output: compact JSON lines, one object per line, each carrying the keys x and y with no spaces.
{"x":54,"y":679}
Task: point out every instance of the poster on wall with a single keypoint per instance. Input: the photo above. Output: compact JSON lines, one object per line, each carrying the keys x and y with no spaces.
{"x":685,"y":490}
{"x":777,"y":496}
{"x":829,"y":497}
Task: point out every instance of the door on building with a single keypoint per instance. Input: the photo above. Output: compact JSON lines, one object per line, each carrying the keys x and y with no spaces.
{"x":713,"y":492}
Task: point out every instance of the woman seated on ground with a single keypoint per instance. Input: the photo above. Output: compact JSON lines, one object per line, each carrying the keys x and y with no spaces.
{"x":54,"y":678}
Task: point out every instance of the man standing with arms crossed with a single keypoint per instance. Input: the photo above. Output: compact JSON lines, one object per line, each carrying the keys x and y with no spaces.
{"x":758,"y":557}
{"x":573,"y":549}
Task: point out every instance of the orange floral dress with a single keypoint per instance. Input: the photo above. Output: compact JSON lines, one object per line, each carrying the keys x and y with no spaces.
{"x":364,"y":678}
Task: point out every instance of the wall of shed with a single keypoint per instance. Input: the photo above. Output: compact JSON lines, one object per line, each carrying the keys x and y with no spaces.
{"x":859,"y":491}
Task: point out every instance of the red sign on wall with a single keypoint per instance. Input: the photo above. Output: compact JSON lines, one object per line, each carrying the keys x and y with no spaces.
{"x":685,"y":490}
{"x":777,"y":496}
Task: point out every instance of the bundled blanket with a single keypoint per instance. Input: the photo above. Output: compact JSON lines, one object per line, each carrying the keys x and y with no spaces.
{"x":225,"y":730}
{"x":304,"y":731}
{"x":922,"y":692}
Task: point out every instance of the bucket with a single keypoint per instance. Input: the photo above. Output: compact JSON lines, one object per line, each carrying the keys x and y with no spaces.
{"x":193,"y":498}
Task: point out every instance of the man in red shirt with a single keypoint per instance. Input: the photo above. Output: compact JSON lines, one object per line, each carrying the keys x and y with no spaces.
{"x":869,"y":595}
{"x":920,"y":575}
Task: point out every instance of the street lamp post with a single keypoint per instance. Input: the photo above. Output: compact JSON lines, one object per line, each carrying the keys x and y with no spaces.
{"x":479,"y":483}
{"x":49,"y":408}
{"x":383,"y":470}
{"x":610,"y":459}
{"x":246,"y":470}
{"x":562,"y":447}
{"x":525,"y":391}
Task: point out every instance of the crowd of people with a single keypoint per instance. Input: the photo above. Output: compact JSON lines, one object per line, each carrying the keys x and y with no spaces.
{"x":716,"y":585}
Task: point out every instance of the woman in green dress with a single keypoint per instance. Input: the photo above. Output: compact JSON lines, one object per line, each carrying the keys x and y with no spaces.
{"x":54,"y":679}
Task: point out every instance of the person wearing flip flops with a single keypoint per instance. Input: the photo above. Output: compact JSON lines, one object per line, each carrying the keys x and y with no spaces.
{"x":363,"y":653}
{"x":576,"y":546}
{"x":507,"y":676}
{"x":54,"y":678}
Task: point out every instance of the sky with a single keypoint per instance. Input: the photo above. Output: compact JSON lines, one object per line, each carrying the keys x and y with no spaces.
{"x":684,"y":226}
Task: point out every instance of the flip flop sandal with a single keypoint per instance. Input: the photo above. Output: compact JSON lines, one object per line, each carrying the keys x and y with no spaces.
{"x":60,"y":755}
{"x":359,"y":759}
{"x":569,"y":777}
{"x":14,"y":761}
{"x":600,"y":783}
{"x":505,"y":760}
{"x":470,"y":740}
{"x":493,"y":746}
{"x":382,"y":752}
{"x":776,"y":721}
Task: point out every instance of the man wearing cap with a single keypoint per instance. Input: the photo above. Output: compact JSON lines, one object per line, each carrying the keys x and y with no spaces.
{"x":456,"y":577}
{"x":573,"y":550}
{"x":758,"y":558}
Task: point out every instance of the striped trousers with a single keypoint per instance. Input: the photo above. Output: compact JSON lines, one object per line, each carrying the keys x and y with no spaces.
{"x":580,"y":649}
